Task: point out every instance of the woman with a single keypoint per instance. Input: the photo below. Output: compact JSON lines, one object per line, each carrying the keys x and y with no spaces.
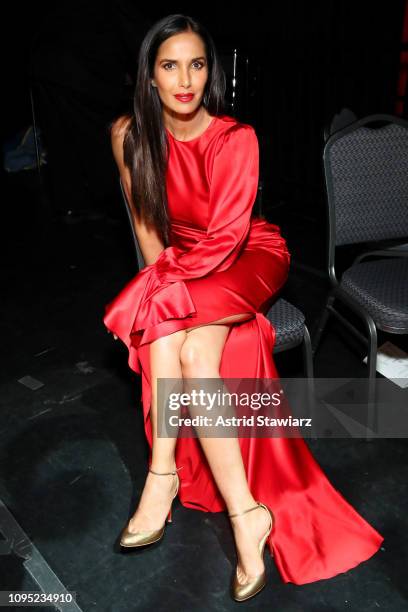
{"x":197,"y":310}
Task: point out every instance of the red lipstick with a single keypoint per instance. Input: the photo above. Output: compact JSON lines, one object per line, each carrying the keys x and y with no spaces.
{"x":184,"y":97}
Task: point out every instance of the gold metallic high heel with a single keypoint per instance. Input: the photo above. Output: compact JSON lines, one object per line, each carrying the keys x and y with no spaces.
{"x":131,"y":539}
{"x":242,"y":592}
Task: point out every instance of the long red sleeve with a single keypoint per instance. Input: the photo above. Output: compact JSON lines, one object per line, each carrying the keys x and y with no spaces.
{"x":233,"y":189}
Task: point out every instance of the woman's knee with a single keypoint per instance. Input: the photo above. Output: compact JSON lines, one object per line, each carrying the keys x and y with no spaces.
{"x":169,"y":345}
{"x":199,"y":354}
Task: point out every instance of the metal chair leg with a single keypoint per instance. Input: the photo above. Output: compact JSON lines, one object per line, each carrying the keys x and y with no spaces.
{"x":322,"y":323}
{"x":309,"y":372}
{"x":372,"y":408}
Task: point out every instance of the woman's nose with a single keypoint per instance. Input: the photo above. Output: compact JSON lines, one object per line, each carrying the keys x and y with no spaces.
{"x":185,"y":80}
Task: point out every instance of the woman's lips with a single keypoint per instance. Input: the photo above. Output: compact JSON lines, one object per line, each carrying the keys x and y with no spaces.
{"x":185,"y":98}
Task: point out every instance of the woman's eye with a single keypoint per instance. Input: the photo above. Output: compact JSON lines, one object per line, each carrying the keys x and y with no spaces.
{"x":199,"y":64}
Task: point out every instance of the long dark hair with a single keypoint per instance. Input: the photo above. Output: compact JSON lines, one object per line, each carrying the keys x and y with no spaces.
{"x":146,"y":144}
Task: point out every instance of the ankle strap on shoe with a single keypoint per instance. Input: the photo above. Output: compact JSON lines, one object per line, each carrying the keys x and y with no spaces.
{"x":258,"y":504}
{"x":166,"y":473}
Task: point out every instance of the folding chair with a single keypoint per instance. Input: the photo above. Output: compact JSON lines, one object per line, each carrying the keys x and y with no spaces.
{"x":366,"y":177}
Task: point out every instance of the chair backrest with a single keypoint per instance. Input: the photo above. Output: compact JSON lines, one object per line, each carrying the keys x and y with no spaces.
{"x":366,"y":173}
{"x":140,"y":260}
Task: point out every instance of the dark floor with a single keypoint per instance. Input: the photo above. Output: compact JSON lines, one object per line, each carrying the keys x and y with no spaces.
{"x":74,"y":456}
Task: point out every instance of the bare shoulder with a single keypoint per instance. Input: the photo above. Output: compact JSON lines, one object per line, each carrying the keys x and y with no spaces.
{"x":120,"y":127}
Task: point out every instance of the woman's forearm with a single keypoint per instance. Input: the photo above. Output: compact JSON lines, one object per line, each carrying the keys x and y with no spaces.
{"x":150,"y":244}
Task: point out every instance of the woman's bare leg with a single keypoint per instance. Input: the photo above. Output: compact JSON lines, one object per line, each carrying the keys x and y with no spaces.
{"x":200,"y":358}
{"x":156,"y":498}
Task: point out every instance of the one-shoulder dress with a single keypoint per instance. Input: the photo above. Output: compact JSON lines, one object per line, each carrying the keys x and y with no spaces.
{"x":224,"y":261}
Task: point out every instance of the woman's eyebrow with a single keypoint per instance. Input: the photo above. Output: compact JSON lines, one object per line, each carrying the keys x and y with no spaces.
{"x":175,"y":61}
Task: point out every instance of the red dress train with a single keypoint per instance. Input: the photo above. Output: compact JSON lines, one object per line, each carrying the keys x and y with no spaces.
{"x":222,"y":261}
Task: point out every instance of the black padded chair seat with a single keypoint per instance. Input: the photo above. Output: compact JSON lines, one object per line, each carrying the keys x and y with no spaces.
{"x":381,"y":287}
{"x":289,"y":323}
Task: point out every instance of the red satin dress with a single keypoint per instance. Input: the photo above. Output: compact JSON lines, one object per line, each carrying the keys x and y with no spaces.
{"x":221,"y":261}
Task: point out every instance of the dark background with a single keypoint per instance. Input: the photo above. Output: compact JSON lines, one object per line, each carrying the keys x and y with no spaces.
{"x":297,"y":64}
